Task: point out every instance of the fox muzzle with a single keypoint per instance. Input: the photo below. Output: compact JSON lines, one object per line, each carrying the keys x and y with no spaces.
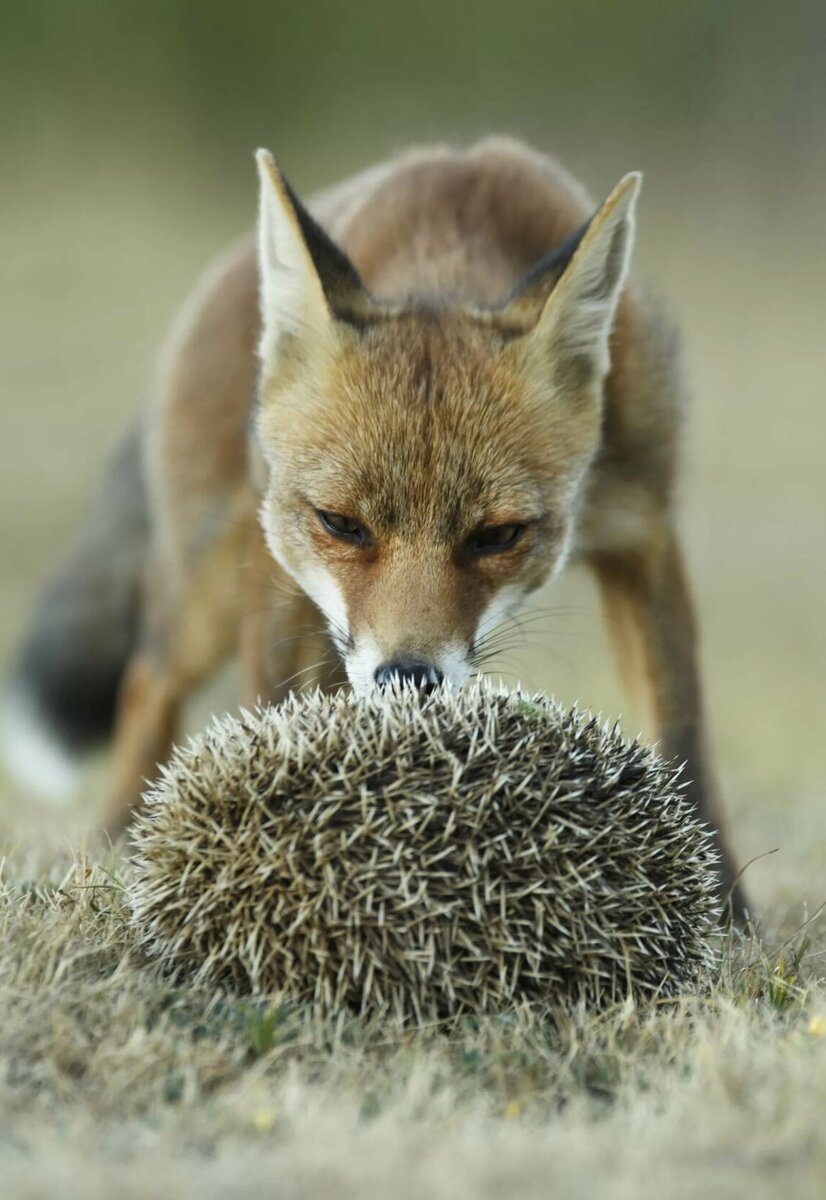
{"x":421,"y":675}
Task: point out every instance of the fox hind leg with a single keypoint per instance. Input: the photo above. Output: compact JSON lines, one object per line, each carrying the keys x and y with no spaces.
{"x":236,"y":599}
{"x":145,"y":729}
{"x":188,"y":631}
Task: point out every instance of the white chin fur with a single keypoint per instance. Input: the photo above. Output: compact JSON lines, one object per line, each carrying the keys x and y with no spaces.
{"x":32,"y":756}
{"x":361,"y":665}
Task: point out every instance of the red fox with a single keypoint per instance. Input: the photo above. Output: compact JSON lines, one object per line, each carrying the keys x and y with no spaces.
{"x":415,"y":399}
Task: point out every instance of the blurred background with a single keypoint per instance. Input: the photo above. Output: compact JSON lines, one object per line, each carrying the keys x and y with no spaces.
{"x":126,"y":136}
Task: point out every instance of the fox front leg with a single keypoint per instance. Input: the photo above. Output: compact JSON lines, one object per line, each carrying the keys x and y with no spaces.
{"x":650,"y":615}
{"x":284,"y":645}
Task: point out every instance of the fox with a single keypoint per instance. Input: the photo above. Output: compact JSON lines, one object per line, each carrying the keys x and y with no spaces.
{"x":378,"y":426}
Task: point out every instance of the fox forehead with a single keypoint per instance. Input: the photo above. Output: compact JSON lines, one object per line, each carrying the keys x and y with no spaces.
{"x":419,"y":420}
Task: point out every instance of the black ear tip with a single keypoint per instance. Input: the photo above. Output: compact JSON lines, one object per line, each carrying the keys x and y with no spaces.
{"x":347,"y":296}
{"x":340,"y":280}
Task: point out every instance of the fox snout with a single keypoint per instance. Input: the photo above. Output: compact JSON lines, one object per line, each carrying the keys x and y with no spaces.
{"x":424,"y":663}
{"x":421,"y":675}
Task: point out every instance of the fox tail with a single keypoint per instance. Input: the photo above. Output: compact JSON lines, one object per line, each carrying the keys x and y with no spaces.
{"x":59,"y":699}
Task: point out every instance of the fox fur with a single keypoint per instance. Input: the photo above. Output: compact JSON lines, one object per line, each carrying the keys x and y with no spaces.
{"x":403,"y":408}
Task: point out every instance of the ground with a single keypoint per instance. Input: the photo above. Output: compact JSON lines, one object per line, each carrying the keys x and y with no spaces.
{"x":114,"y":1083}
{"x":118,"y":1082}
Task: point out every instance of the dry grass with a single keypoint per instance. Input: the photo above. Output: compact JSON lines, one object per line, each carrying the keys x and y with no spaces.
{"x":114,"y":1084}
{"x":117,"y":1082}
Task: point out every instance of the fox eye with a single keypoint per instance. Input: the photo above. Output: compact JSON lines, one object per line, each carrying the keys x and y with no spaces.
{"x":493,"y":539}
{"x":345,"y":528}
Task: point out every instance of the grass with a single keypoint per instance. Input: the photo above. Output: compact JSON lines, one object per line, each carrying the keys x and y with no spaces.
{"x":115,"y":1081}
{"x":118,"y":1082}
{"x":115,"y":1084}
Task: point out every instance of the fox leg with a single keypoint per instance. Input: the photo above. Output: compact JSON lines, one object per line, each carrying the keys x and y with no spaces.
{"x":145,"y":727}
{"x":650,"y":615}
{"x":281,"y":632}
{"x":189,"y":630}
{"x":284,"y":643}
{"x":290,"y":654}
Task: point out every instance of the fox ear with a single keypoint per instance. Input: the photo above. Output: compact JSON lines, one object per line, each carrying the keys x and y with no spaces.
{"x":306,"y":282}
{"x":574,"y":326}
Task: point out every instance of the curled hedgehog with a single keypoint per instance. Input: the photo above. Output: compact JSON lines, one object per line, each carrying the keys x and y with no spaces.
{"x":425,"y":857}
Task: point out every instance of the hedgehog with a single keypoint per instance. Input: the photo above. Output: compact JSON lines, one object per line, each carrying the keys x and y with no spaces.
{"x":425,"y":857}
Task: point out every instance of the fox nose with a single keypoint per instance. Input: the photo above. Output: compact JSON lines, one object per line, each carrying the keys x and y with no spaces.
{"x":422,"y":675}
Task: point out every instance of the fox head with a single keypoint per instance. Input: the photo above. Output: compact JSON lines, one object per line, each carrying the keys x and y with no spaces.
{"x":424,"y":462}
